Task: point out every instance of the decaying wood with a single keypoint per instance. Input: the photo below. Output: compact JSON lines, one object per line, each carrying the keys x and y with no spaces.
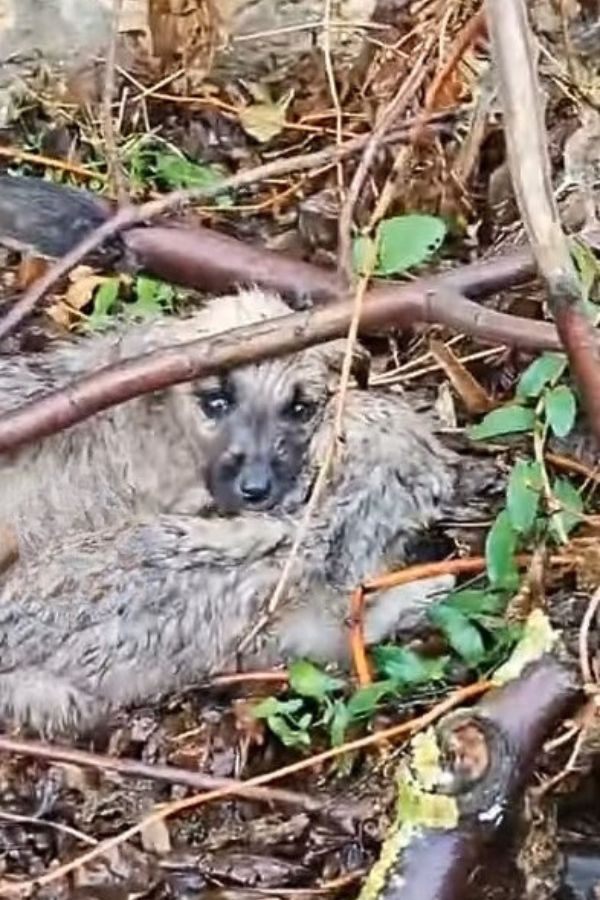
{"x":512,"y":722}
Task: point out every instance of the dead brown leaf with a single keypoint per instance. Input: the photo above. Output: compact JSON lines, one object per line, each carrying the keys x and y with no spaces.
{"x":474,"y":397}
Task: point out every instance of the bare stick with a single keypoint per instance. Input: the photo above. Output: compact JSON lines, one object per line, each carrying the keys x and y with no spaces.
{"x":128,"y":216}
{"x":389,"y":115}
{"x":133,"y":768}
{"x":197,"y":359}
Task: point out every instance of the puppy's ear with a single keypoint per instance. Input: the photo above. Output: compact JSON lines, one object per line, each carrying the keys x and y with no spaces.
{"x":334,"y":352}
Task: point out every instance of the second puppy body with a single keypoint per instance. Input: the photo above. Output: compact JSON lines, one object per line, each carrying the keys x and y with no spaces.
{"x":129,"y":611}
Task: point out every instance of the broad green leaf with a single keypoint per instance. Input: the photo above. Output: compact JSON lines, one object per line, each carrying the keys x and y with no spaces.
{"x":473,"y":602}
{"x":309,"y":681}
{"x":523,"y":495}
{"x":506,"y":420}
{"x":152,"y":297}
{"x":366,"y":699}
{"x":538,"y":638}
{"x":588,"y":267}
{"x":500,"y":547}
{"x":561,"y":408}
{"x":462,"y":636}
{"x":405,"y":667}
{"x":340,"y":720}
{"x":105,"y":301}
{"x":546,"y":369}
{"x":407,"y":241}
{"x":178,"y":172}
{"x":288,"y":734}
{"x":271,"y":706}
{"x":570,"y":499}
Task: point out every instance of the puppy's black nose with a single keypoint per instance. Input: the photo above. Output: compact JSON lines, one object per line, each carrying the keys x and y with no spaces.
{"x":255,"y":483}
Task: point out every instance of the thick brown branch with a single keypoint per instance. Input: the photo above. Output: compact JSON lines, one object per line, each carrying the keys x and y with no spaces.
{"x":155,"y":371}
{"x":527,"y":148}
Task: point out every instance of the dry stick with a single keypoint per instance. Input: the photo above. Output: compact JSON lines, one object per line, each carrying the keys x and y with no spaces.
{"x":50,"y":162}
{"x":128,"y":216}
{"x":464,"y":39}
{"x":160,"y":369}
{"x":323,"y":474}
{"x":390,"y":114}
{"x":132,"y":768}
{"x":116,"y":176}
{"x":584,"y":656}
{"x":455,"y":699}
{"x":527,"y":148}
{"x":394,"y":109}
{"x":333,"y":91}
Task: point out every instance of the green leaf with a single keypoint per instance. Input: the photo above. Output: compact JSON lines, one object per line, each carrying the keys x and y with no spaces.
{"x":546,"y":369}
{"x":288,"y":734}
{"x":462,"y":636}
{"x":105,"y":302}
{"x":280,"y":716}
{"x":561,"y":408}
{"x":405,"y":667}
{"x":407,"y":241}
{"x":309,"y":681}
{"x":340,"y":720}
{"x":506,"y":420}
{"x":178,"y":172}
{"x":571,"y":500}
{"x":523,"y":495}
{"x":588,"y":267}
{"x":153,"y":297}
{"x":500,"y":547}
{"x":366,"y":699}
{"x":473,"y":602}
{"x":271,"y":706}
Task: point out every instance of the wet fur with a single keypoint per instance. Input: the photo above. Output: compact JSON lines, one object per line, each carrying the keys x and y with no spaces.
{"x":158,"y":588}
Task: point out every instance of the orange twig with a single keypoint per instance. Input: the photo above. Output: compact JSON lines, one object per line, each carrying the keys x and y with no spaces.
{"x":12,"y":889}
{"x":471,"y":566}
{"x":357,"y":637}
{"x":49,"y":162}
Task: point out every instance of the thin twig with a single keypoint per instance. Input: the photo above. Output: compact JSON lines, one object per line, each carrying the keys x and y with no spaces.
{"x":584,"y":631}
{"x":133,"y":768}
{"x":405,"y":729}
{"x":48,"y":823}
{"x":116,"y":175}
{"x":50,"y":162}
{"x":388,"y":117}
{"x":333,"y":91}
{"x":127,"y":216}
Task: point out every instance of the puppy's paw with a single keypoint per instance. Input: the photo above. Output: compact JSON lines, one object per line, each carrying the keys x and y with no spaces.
{"x":403,"y":609}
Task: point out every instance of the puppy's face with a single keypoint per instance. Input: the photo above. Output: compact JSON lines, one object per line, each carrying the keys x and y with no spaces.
{"x":259,"y":422}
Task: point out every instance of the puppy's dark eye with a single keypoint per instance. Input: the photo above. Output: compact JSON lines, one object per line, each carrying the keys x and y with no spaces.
{"x":299,"y":409}
{"x":216,"y":404}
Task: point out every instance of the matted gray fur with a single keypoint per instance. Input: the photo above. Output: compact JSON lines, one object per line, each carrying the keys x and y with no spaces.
{"x":162,"y":556}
